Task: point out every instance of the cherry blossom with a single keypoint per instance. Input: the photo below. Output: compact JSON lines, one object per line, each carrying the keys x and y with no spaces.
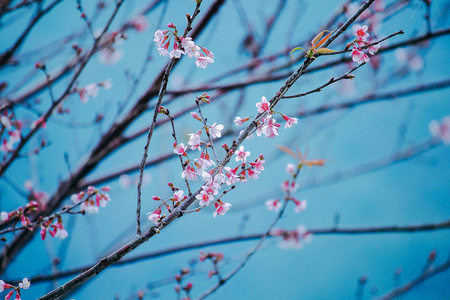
{"x":359,"y":56}
{"x":241,"y":154}
{"x":270,"y":127}
{"x":110,"y":56}
{"x":274,"y":204}
{"x":25,"y":284}
{"x":178,"y":196}
{"x":180,"y":149}
{"x":155,"y":216}
{"x":205,"y":198}
{"x":203,"y":61}
{"x":289,"y":187}
{"x":374,"y":49}
{"x":291,"y":169}
{"x":289,"y":121}
{"x":140,"y":23}
{"x":176,"y":53}
{"x":61,"y":233}
{"x":195,"y":140}
{"x":441,"y":130}
{"x":258,"y":165}
{"x":189,"y":173}
{"x":294,"y":239}
{"x":263,"y":106}
{"x":361,"y":33}
{"x":4,"y":216}
{"x":204,"y":161}
{"x":6,"y":146}
{"x":191,"y":49}
{"x":221,"y":208}
{"x":39,"y":121}
{"x":300,"y":205}
{"x":239,"y":121}
{"x":215,"y":130}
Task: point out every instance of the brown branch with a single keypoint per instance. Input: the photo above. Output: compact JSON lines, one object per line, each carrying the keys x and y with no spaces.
{"x":161,"y":94}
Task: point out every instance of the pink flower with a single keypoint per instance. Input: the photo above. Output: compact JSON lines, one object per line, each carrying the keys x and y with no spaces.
{"x":231,"y":175}
{"x":374,"y":49}
{"x":205,"y":198}
{"x":89,"y":91}
{"x":196,"y":116}
{"x":178,"y":196}
{"x":2,"y":285}
{"x":176,"y":53}
{"x":289,"y":187}
{"x":274,"y":205}
{"x":361,"y":33}
{"x":263,"y":106}
{"x":203,"y":61}
{"x":204,"y":161}
{"x":270,"y":127}
{"x":290,"y":169}
{"x":89,"y":206}
{"x":6,"y":146}
{"x":239,"y":121}
{"x":207,"y":52}
{"x":180,"y":149}
{"x":39,"y":121}
{"x":241,"y":154}
{"x":258,"y":165}
{"x":441,"y":130}
{"x":300,"y":205}
{"x":189,"y":173}
{"x":215,"y":130}
{"x":155,"y":216}
{"x":140,"y":23}
{"x":5,"y":121}
{"x":289,"y":121}
{"x":359,"y":56}
{"x":221,"y":208}
{"x":14,"y":136}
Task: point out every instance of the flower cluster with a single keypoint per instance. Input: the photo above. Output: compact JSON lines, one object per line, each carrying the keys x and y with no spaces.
{"x":268,"y":125}
{"x":25,"y":285}
{"x":361,"y":42}
{"x":56,"y":230}
{"x":292,"y":239}
{"x":441,"y":129}
{"x":181,"y":46}
{"x":21,"y":214}
{"x":92,"y":199}
{"x":11,"y":130}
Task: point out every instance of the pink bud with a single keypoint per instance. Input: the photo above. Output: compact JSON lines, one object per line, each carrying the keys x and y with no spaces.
{"x":188,"y":287}
{"x":171,"y":25}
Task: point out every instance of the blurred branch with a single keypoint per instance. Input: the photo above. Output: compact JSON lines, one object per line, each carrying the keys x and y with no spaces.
{"x":249,"y":237}
{"x":432,"y":271}
{"x":5,"y":56}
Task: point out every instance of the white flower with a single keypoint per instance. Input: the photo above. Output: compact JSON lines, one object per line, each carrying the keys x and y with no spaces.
{"x":203,"y":61}
{"x":25,"y":284}
{"x":215,"y":130}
